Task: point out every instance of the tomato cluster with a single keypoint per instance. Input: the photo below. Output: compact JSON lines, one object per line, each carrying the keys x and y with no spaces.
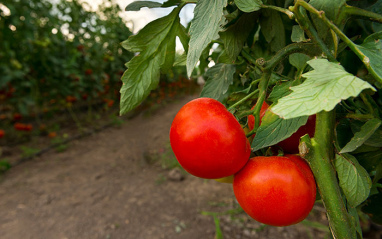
{"x":209,"y":142}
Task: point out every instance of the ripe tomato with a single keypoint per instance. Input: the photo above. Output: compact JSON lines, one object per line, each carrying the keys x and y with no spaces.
{"x":2,"y":133}
{"x":276,"y":190}
{"x":289,"y":145}
{"x":207,"y":139}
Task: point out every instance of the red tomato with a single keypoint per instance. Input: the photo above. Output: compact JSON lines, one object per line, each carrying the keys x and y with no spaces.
{"x":2,"y":133}
{"x":251,"y":118}
{"x":17,"y":117}
{"x":289,"y":145}
{"x":276,"y":190}
{"x":207,"y":139}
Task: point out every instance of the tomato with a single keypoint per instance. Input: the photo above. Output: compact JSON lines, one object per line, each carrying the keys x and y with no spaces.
{"x":251,"y":118}
{"x":19,"y":126}
{"x":17,"y":116}
{"x":2,"y":133}
{"x":207,"y":140}
{"x":289,"y":145}
{"x":276,"y":190}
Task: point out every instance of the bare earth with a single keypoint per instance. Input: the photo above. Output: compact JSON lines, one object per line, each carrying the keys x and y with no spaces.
{"x":105,"y":186}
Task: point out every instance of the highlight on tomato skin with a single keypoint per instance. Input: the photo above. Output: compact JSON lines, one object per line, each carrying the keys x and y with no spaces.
{"x":276,"y":190}
{"x":207,"y":140}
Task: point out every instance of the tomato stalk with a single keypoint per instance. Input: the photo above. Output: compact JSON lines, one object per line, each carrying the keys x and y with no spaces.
{"x":319,"y":153}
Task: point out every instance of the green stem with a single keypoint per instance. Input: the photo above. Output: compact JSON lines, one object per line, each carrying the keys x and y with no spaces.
{"x":308,"y":48}
{"x":244,"y":99}
{"x":279,"y":9}
{"x":310,"y":31}
{"x":319,"y":153}
{"x":362,"y":13}
{"x":263,"y":85}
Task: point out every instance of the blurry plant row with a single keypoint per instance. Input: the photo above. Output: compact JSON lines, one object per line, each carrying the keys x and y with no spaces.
{"x":59,"y":57}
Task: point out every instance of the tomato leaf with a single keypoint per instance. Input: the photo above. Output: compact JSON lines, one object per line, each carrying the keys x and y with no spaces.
{"x":220,"y":78}
{"x":236,"y":35}
{"x":374,"y":140}
{"x":372,"y":49}
{"x":274,"y":129}
{"x":249,"y":5}
{"x":207,"y":21}
{"x":137,"y":5}
{"x":298,"y":60}
{"x":272,"y":27}
{"x":298,"y":35}
{"x":370,"y":160}
{"x":156,"y":44}
{"x":353,"y":179}
{"x":361,"y":136}
{"x":323,"y":89}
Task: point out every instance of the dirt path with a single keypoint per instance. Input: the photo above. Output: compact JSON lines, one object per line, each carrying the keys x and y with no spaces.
{"x":102,"y":186}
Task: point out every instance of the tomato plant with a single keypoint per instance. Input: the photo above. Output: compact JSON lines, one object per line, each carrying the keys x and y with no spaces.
{"x":316,"y":58}
{"x":207,"y":140}
{"x":275,"y":190}
{"x":2,"y":133}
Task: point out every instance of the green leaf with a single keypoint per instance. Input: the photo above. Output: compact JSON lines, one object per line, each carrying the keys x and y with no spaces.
{"x":323,"y":89}
{"x":220,"y":78}
{"x":183,"y":37}
{"x":236,"y":35}
{"x":298,"y":34}
{"x":361,"y":136}
{"x":137,"y":5}
{"x":374,"y":140}
{"x":207,"y":21}
{"x":370,"y":160}
{"x":249,"y":5}
{"x":373,"y":208}
{"x":156,"y":44}
{"x":280,"y":90}
{"x":274,"y":129}
{"x":353,"y":179}
{"x":372,"y":49}
{"x":272,"y":27}
{"x":298,"y":60}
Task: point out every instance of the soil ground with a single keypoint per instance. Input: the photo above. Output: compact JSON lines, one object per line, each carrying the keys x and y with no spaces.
{"x":119,"y":183}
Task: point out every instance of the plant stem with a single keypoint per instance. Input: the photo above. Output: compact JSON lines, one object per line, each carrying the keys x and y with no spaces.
{"x":308,"y":48}
{"x":310,"y":31}
{"x":244,"y":99}
{"x":263,"y":85}
{"x":319,"y":153}
{"x":279,"y":9}
{"x":362,"y":13}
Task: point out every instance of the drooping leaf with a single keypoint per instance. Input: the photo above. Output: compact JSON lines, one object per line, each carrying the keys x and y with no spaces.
{"x":272,"y":27}
{"x":156,"y":46}
{"x":236,"y":35}
{"x":137,"y":5}
{"x":323,"y":89}
{"x":249,"y":5}
{"x":353,"y":179}
{"x":361,"y":136}
{"x":207,"y":21}
{"x":220,"y":78}
{"x":183,"y":37}
{"x":372,"y":49}
{"x":274,"y":129}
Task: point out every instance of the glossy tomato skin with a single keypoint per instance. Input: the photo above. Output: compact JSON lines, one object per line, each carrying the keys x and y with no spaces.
{"x":207,"y":139}
{"x":276,"y":190}
{"x":251,"y":118}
